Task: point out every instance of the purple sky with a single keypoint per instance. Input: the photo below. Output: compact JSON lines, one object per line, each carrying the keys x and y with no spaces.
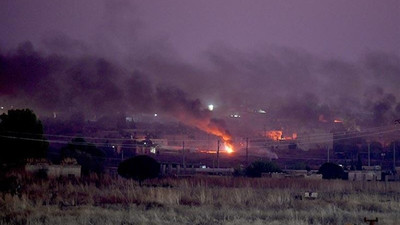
{"x":340,"y":28}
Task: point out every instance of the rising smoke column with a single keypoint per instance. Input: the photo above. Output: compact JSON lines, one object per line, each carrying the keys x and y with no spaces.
{"x":191,"y":112}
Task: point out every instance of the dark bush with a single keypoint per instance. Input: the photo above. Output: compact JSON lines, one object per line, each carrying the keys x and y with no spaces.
{"x":86,"y":154}
{"x":331,"y":171}
{"x":21,"y":137}
{"x":139,"y":168}
{"x":257,"y":168}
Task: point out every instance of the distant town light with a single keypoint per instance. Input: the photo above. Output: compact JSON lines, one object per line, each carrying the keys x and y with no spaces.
{"x":211,"y":107}
{"x":235,"y":115}
{"x":155,"y":114}
{"x":2,"y":108}
{"x":262,"y":111}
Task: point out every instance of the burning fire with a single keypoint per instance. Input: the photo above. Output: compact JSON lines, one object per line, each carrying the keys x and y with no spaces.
{"x":338,"y":121}
{"x":274,"y":134}
{"x":190,"y":113}
{"x":277,"y":135}
{"x":228,"y":147}
{"x":213,"y":128}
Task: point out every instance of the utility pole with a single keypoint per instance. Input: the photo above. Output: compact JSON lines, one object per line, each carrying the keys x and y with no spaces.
{"x":327,"y":149}
{"x":369,"y":154}
{"x":218,"y":154}
{"x":247,"y":151}
{"x":183,"y":156}
{"x":394,"y":156}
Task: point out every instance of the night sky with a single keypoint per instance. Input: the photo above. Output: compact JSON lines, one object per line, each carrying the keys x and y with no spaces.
{"x":296,"y":59}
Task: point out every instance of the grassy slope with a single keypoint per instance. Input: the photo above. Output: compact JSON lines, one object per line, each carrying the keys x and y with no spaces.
{"x":211,"y":200}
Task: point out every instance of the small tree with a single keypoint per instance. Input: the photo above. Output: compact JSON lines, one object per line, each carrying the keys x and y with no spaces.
{"x":139,"y":168}
{"x":86,"y":154}
{"x":331,"y":171}
{"x":21,"y":137}
{"x":257,"y":168}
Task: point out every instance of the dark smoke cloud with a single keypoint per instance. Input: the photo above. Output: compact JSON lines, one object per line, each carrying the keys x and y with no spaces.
{"x":287,"y":83}
{"x":59,"y":83}
{"x":89,"y":85}
{"x":296,"y":85}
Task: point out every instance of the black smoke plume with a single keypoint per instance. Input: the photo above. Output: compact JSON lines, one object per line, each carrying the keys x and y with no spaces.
{"x":287,"y":83}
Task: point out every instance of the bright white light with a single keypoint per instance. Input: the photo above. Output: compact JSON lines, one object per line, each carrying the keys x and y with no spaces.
{"x":262,"y":111}
{"x":211,"y":107}
{"x":235,"y":116}
{"x":2,"y":108}
{"x":155,"y":114}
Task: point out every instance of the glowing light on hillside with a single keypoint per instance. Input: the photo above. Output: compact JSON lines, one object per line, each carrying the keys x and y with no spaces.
{"x":277,"y":135}
{"x":211,"y":107}
{"x":338,"y":121}
{"x":261,"y":111}
{"x":235,"y":115}
{"x":228,"y":147}
{"x":274,"y":134}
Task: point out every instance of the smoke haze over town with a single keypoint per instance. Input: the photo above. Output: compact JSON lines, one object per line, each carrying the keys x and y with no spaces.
{"x":285,"y":60}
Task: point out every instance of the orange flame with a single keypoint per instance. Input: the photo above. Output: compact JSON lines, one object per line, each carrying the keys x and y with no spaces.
{"x":212,"y":128}
{"x":208,"y":125}
{"x":338,"y":121}
{"x":274,"y":134}
{"x":277,"y":135}
{"x":228,"y":147}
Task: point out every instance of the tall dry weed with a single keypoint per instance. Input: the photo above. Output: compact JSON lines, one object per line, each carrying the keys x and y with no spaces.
{"x":200,"y":200}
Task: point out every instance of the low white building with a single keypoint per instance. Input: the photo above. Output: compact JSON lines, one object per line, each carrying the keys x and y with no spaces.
{"x":54,"y":170}
{"x":365,"y":175}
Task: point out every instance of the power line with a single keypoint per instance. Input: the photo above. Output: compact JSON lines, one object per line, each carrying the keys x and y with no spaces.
{"x":265,"y":144}
{"x":345,"y":133}
{"x":313,"y":139}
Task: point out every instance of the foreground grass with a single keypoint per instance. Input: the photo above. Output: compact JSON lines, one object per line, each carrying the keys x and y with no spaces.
{"x":207,"y":200}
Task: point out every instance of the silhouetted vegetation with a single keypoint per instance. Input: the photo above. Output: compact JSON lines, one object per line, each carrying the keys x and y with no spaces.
{"x":257,"y":168}
{"x":139,"y":168}
{"x":21,"y":137}
{"x":331,"y":171}
{"x":86,"y":154}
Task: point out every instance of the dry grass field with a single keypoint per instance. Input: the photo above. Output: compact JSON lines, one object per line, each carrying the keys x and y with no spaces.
{"x":200,"y":200}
